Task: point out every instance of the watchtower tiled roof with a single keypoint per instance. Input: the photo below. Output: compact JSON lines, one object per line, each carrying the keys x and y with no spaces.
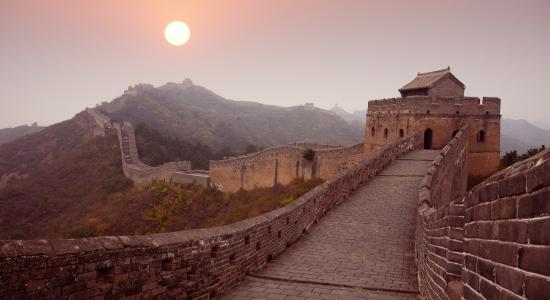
{"x":429,"y":79}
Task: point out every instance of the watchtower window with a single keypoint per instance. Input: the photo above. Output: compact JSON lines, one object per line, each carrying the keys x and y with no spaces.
{"x":401,"y":133}
{"x":481,"y":136}
{"x":385,"y":133}
{"x":428,"y":112}
{"x":457,"y":112}
{"x":372,"y":131}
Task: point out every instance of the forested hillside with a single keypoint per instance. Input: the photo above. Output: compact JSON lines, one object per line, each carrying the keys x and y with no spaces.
{"x":197,"y":115}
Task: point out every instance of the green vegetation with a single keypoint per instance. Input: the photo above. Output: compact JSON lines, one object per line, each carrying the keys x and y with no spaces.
{"x":512,"y":157}
{"x":507,"y":160}
{"x":156,"y":149}
{"x":179,"y":207}
{"x":72,"y":185}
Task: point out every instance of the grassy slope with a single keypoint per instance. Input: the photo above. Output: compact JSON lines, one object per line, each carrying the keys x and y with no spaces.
{"x":74,"y":187}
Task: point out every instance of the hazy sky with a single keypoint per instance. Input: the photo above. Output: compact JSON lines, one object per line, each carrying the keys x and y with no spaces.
{"x":57,"y":57}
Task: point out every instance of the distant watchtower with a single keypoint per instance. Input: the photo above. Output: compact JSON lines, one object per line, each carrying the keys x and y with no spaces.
{"x":433,"y":103}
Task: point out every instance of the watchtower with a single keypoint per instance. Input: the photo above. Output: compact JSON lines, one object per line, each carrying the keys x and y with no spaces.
{"x":434,"y":104}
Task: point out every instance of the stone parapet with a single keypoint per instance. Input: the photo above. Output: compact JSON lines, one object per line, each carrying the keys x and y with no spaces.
{"x":490,"y":243}
{"x":486,"y":106}
{"x":507,"y":233}
{"x":138,"y":171}
{"x":282,"y":164}
{"x":193,"y":264}
{"x":440,"y":221}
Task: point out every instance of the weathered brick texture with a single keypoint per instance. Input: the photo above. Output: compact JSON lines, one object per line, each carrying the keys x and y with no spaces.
{"x":387,"y":119}
{"x":194,"y":264}
{"x":282,"y":164}
{"x":507,"y":233}
{"x":440,"y":223}
{"x":493,"y":243}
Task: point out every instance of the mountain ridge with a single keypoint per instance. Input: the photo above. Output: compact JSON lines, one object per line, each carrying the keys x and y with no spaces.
{"x":197,"y":114}
{"x":10,"y":134}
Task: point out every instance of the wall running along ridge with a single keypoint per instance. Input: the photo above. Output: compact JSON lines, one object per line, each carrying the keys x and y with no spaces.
{"x":134,"y":168}
{"x":282,"y":164}
{"x":265,"y":168}
{"x":493,"y":243}
{"x":193,"y":264}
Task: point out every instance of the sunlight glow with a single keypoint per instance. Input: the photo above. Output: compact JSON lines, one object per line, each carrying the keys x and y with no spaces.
{"x":177,"y":33}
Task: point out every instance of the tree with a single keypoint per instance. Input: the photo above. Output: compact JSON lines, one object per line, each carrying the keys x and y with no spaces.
{"x":512,"y":157}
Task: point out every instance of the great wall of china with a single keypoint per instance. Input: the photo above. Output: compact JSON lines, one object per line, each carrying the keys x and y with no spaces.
{"x":282,"y":164}
{"x":398,"y":223}
{"x":265,"y":168}
{"x":487,"y":243}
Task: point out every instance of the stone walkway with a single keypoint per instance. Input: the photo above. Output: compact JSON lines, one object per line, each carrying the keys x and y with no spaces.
{"x":362,"y":249}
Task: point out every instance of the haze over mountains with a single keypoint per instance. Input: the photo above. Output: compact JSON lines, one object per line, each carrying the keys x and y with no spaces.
{"x":62,"y":181}
{"x":10,"y":134}
{"x":196,"y":114}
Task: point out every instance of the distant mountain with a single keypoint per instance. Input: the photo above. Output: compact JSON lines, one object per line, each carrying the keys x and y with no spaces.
{"x":521,"y":135}
{"x":194,"y":114}
{"x":10,"y":134}
{"x":65,"y":181}
{"x":357,"y":117}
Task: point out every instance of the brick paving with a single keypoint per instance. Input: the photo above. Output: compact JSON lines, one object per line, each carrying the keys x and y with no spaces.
{"x":362,"y":249}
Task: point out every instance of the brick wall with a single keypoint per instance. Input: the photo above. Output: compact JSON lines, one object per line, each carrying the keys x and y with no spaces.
{"x":447,"y":87}
{"x":440,"y":221}
{"x":444,"y":116}
{"x":492,"y":243}
{"x":282,"y":164}
{"x":194,"y":264}
{"x":135,"y":169}
{"x":507,"y":233}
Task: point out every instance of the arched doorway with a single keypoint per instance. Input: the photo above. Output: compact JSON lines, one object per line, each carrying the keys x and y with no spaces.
{"x":428,"y":139}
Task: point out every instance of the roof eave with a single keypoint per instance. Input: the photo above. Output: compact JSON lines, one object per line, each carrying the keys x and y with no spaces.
{"x":403,"y":89}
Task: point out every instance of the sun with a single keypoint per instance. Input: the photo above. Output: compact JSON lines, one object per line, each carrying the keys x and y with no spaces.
{"x":177,"y":33}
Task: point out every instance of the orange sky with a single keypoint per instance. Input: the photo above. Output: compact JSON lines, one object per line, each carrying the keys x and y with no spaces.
{"x":58,"y":57}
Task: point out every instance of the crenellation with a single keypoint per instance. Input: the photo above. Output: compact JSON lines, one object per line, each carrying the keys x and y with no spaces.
{"x":436,"y":105}
{"x":195,"y":263}
{"x":282,"y":164}
{"x":485,"y":231}
{"x":439,"y":115}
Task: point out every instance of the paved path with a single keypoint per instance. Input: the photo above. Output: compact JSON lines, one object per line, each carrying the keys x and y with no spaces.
{"x":362,"y":249}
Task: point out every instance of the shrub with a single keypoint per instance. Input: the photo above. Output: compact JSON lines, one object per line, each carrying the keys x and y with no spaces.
{"x":512,"y":157}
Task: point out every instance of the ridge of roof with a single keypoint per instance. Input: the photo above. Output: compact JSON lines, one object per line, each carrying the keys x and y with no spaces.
{"x":429,"y":79}
{"x":436,"y":72}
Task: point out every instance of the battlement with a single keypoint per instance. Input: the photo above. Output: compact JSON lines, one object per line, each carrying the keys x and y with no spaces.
{"x":136,"y":88}
{"x":250,"y":158}
{"x":282,"y":164}
{"x":199,"y":263}
{"x":295,"y":149}
{"x":436,"y":105}
{"x":466,"y":242}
